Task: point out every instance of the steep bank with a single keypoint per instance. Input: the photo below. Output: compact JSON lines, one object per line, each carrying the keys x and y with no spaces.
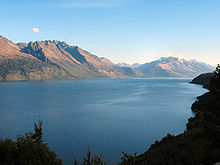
{"x":199,"y":144}
{"x":203,"y":79}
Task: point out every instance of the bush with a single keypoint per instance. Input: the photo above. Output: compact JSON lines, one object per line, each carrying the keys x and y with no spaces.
{"x":27,"y":150}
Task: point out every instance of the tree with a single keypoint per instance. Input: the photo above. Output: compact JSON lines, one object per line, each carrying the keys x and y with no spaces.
{"x":28,"y":150}
{"x":37,"y":136}
{"x":217,"y":70}
{"x":214,"y":85}
{"x":91,"y":160}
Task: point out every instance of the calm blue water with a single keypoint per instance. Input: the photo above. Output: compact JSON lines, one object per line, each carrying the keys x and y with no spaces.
{"x":112,"y":115}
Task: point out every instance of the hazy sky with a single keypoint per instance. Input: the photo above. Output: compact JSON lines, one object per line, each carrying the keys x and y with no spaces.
{"x":121,"y":30}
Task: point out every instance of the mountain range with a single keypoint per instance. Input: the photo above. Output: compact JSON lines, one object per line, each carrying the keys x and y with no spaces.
{"x":171,"y":67}
{"x":44,"y":60}
{"x":47,"y":60}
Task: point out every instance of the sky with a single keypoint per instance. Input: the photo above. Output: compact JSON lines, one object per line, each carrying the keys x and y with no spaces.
{"x":130,"y":31}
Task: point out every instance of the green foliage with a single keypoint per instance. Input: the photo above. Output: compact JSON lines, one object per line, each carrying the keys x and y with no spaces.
{"x":214,"y":85}
{"x":198,"y":145}
{"x":27,"y":150}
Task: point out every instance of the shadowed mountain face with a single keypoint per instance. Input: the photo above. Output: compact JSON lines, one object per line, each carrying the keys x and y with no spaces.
{"x":42,"y":60}
{"x":174,"y":67}
{"x":54,"y":60}
{"x":15,"y":65}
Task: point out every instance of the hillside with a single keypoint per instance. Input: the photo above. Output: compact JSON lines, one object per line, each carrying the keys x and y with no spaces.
{"x":46,"y":60}
{"x":43,"y":60}
{"x":199,"y":144}
{"x":174,"y":67}
{"x":15,"y":65}
{"x":203,"y":79}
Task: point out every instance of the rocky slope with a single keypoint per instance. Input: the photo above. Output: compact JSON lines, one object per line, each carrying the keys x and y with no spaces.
{"x":15,"y":65}
{"x":42,"y":60}
{"x":198,"y":145}
{"x":174,"y":67}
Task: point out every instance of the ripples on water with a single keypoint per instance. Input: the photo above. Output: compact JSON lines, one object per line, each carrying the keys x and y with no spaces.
{"x":112,"y":115}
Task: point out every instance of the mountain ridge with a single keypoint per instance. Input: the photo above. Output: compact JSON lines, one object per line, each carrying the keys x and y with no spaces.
{"x":57,"y":57}
{"x":171,"y":67}
{"x":53,"y":59}
{"x":174,"y":67}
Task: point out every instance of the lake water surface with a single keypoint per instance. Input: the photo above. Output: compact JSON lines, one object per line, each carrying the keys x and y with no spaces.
{"x":110,"y":115}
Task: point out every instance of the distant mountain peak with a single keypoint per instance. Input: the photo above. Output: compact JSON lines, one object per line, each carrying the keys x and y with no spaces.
{"x":4,"y":39}
{"x":135,"y":65}
{"x":178,"y":56}
{"x":52,"y":59}
{"x":174,"y":67}
{"x":7,"y":46}
{"x":171,"y":58}
{"x":1,"y":36}
{"x":123,"y":65}
{"x":22,"y":45}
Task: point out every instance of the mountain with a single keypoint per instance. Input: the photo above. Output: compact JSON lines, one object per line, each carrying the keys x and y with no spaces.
{"x":135,"y":65}
{"x":174,"y":67}
{"x":123,"y":65}
{"x":15,"y":65}
{"x":45,"y":60}
{"x":42,"y":60}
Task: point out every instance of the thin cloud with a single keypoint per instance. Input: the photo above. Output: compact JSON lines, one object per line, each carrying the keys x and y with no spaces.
{"x":35,"y":30}
{"x":99,"y":51}
{"x":91,"y":3}
{"x":180,"y":56}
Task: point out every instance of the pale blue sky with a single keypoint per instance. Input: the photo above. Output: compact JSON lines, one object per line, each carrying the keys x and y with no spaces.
{"x":121,"y":30}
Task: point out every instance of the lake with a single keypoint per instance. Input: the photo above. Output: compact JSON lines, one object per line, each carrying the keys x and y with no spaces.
{"x":110,"y":115}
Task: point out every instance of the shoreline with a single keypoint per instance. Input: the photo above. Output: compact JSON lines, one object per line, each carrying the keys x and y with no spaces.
{"x":198,"y":144}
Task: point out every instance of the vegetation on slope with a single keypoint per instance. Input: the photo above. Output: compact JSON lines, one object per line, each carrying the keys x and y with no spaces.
{"x":199,"y":144}
{"x":30,"y":150}
{"x":29,"y":69}
{"x":45,"y":60}
{"x":27,"y":150}
{"x":203,"y":79}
